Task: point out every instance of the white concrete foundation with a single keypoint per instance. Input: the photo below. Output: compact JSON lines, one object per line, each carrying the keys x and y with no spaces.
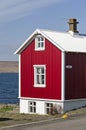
{"x":41,"y":105}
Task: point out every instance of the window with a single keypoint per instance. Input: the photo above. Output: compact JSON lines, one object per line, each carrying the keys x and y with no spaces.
{"x":39,"y":43}
{"x":49,"y":107}
{"x":32,"y":107}
{"x":39,"y":75}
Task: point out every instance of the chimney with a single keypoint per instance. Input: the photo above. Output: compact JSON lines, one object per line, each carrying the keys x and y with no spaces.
{"x":73,"y":25}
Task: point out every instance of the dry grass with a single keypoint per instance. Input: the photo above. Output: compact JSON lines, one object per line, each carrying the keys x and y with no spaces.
{"x":9,"y":115}
{"x":79,"y":111}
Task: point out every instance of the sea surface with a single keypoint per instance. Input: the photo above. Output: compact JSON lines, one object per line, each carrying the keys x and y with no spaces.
{"x":9,"y":88}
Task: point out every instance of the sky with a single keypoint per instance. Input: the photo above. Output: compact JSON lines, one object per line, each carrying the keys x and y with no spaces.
{"x":20,"y":18}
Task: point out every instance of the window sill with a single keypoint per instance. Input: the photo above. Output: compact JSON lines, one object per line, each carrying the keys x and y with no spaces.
{"x":39,"y":49}
{"x":39,"y":86}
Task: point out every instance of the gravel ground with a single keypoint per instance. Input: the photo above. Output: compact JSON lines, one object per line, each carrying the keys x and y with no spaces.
{"x":12,"y":117}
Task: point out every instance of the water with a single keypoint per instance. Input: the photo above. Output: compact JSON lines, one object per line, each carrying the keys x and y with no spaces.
{"x":9,"y":88}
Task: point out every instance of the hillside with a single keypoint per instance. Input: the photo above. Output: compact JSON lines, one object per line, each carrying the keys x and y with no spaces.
{"x":8,"y":66}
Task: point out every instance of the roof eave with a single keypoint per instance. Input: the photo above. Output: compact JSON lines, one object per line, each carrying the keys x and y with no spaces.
{"x":26,"y":43}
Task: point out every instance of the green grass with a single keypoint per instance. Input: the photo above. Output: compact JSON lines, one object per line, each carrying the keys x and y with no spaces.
{"x":6,"y":108}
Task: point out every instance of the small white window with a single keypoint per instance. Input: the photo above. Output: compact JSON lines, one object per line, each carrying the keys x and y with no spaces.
{"x":32,"y":107}
{"x":39,"y":76}
{"x":39,"y":43}
{"x":49,"y":107}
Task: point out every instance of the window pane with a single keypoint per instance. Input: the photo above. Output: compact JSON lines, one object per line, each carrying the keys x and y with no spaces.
{"x":47,"y":110}
{"x":38,"y":38}
{"x":30,"y":103}
{"x":34,"y":103}
{"x":31,"y":110}
{"x":47,"y":104}
{"x":34,"y":109}
{"x":42,"y":70}
{"x":51,"y":105}
{"x":42,"y":39}
{"x":38,"y":44}
{"x":38,"y":70}
{"x":38,"y":79}
{"x":42,"y":79}
{"x":40,"y":75}
{"x":42,"y":44}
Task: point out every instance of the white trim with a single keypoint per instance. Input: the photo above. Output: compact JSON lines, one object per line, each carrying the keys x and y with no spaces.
{"x":63,"y":76}
{"x":26,"y":43}
{"x":19,"y":75}
{"x":59,"y":39}
{"x":41,"y":99}
{"x":28,"y":40}
{"x":52,"y":41}
{"x":35,"y":78}
{"x":42,"y":65}
{"x":39,"y":86}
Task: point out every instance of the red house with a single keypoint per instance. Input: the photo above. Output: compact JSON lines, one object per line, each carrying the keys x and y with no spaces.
{"x":52,"y":71}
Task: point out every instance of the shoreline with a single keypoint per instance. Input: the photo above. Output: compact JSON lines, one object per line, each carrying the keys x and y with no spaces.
{"x":8,"y":66}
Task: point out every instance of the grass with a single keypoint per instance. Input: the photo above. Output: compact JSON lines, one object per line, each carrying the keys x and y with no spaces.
{"x":9,"y":115}
{"x":6,"y":108}
{"x":3,"y":124}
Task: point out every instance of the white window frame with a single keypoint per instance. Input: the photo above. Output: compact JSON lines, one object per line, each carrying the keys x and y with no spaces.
{"x":48,"y":107}
{"x":32,"y":106}
{"x":40,"y":76}
{"x":39,"y":43}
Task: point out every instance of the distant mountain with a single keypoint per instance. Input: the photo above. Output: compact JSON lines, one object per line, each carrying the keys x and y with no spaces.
{"x":8,"y":66}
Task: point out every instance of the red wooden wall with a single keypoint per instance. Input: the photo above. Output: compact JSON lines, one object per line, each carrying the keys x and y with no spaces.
{"x":75,"y":78}
{"x":51,"y":57}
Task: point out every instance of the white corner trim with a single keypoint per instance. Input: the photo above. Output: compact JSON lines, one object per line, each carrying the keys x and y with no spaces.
{"x":19,"y":75}
{"x":63,"y":76}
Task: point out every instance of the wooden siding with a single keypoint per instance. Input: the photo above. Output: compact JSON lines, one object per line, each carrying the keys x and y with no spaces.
{"x":75,"y":77}
{"x":51,"y":57}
